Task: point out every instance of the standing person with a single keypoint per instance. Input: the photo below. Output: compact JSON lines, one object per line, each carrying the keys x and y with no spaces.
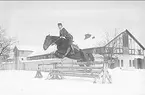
{"x":65,"y":34}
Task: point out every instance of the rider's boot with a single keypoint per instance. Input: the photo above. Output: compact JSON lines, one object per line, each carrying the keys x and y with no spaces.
{"x":68,"y":50}
{"x":72,"y":49}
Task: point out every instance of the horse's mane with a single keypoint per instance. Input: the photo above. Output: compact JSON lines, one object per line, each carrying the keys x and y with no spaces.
{"x":53,"y":38}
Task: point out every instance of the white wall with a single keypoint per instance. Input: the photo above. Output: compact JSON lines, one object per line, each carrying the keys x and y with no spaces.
{"x":126,"y":58}
{"x":7,"y":66}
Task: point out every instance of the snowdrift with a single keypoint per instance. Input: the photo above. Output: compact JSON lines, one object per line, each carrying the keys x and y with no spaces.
{"x":23,"y":83}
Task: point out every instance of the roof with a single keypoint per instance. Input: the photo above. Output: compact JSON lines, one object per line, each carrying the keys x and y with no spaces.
{"x":136,"y":40}
{"x":92,"y":48}
{"x":25,"y":48}
{"x":43,"y":52}
{"x":117,"y":37}
{"x":126,"y":31}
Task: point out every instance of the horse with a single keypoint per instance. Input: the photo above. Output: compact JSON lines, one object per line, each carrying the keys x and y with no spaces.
{"x":62,"y":45}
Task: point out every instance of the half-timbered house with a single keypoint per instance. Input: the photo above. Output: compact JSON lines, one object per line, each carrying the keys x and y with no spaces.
{"x":125,"y":49}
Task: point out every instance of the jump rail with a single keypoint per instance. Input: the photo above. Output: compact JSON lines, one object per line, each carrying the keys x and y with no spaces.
{"x":59,"y":70}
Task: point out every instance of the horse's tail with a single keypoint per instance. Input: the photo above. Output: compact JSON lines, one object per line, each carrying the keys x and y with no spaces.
{"x":85,"y":58}
{"x":91,"y":56}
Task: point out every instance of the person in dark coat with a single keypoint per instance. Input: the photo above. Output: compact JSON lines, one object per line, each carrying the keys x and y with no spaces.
{"x":65,"y":34}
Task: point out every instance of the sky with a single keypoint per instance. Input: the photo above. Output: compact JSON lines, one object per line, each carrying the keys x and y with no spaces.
{"x":31,"y":21}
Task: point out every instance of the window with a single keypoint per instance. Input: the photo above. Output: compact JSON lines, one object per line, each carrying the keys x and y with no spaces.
{"x":130,"y":63}
{"x":133,"y":51}
{"x":118,"y":51}
{"x":118,"y":61}
{"x":139,"y":52}
{"x":133,"y":63}
{"x":121,"y":51}
{"x":130,"y":51}
{"x":121,"y":63}
{"x":136,"y":52}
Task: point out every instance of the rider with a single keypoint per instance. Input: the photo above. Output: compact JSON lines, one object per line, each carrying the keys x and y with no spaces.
{"x":65,"y":34}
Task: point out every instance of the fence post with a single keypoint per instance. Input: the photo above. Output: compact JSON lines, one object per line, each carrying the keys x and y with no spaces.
{"x":104,"y":72}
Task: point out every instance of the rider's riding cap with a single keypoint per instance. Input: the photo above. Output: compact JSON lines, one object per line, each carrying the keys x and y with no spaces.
{"x":59,"y":24}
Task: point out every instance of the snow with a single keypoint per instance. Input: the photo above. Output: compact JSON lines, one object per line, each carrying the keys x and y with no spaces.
{"x":125,"y":82}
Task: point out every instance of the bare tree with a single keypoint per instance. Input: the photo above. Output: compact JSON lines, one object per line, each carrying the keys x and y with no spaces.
{"x":5,"y":44}
{"x":110,"y":44}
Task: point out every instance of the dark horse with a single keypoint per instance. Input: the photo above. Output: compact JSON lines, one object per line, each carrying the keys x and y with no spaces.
{"x":62,"y":45}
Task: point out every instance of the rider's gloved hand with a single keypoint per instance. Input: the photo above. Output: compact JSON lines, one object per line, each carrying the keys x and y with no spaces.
{"x":62,"y":37}
{"x":52,"y":44}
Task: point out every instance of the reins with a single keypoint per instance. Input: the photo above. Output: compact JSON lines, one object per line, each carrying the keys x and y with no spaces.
{"x":56,"y":40}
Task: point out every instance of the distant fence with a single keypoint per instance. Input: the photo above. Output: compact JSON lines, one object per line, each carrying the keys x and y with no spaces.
{"x":7,"y":66}
{"x":30,"y":64}
{"x":33,"y":64}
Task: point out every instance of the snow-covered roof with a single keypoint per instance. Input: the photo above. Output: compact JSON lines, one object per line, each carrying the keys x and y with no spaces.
{"x":37,"y":50}
{"x":24,"y":47}
{"x":42,"y":52}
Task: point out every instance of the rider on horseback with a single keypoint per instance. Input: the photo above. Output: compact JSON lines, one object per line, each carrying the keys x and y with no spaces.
{"x":65,"y":34}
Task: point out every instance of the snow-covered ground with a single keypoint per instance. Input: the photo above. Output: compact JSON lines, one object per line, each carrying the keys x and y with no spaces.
{"x":131,"y":82}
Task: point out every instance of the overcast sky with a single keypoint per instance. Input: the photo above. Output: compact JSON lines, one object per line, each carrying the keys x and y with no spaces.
{"x":31,"y":21}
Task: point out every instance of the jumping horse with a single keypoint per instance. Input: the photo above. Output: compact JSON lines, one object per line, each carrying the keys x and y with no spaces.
{"x":62,"y":45}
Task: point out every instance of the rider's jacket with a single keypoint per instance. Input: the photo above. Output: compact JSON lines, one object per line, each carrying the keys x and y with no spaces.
{"x":64,"y":33}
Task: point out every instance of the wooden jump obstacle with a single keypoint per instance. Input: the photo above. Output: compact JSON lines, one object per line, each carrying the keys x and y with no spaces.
{"x":60,"y":70}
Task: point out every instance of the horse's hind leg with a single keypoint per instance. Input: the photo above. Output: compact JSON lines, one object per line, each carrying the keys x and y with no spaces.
{"x":81,"y":65}
{"x":87,"y":65}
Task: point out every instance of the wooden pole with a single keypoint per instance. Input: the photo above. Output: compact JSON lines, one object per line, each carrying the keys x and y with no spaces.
{"x":16,"y":54}
{"x":104,"y":73}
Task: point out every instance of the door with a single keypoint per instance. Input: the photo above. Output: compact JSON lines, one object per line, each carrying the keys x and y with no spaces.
{"x":139,"y":63}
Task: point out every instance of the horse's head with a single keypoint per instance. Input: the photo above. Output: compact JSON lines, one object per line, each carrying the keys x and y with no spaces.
{"x":49,"y":40}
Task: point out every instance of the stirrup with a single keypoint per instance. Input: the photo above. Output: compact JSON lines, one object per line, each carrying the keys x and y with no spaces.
{"x":72,"y":52}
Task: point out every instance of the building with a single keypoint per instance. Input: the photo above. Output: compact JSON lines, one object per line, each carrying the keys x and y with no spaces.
{"x":127,"y":51}
{"x":20,"y":54}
